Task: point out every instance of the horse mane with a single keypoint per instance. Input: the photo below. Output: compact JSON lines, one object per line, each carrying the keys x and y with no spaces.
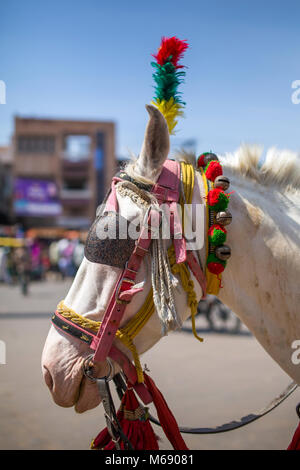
{"x":280,"y":168}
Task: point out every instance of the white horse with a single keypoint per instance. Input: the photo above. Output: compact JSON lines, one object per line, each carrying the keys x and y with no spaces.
{"x":261,"y":280}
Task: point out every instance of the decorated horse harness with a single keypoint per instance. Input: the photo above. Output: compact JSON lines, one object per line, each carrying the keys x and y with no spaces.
{"x":129,"y":427}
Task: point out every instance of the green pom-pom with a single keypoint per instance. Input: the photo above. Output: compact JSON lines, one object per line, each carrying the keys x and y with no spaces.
{"x":219,"y":200}
{"x":213,"y":259}
{"x":218,"y":237}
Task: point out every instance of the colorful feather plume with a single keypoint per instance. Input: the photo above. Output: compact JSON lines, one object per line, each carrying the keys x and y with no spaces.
{"x":168,"y":77}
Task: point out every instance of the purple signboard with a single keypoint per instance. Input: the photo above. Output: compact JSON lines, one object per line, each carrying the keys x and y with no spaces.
{"x":36,"y":198}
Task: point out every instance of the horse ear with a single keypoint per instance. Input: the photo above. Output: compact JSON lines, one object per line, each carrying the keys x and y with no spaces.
{"x":156,"y":145}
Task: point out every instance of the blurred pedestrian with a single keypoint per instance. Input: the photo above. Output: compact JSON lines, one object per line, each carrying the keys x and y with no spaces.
{"x":23,"y":268}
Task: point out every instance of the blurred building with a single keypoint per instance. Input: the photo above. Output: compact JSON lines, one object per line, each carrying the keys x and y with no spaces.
{"x":6,"y":185}
{"x":62,"y":170}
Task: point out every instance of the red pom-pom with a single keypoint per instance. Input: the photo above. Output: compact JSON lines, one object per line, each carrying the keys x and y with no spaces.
{"x":212,"y":170}
{"x":215,"y":268}
{"x":217,"y":199}
{"x":213,"y":196}
{"x":171,"y":47}
{"x":200,"y":161}
{"x":216,"y":227}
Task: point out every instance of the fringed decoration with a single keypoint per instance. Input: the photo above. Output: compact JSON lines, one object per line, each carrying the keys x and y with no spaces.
{"x":168,"y":77}
{"x":135,"y":424}
{"x":165,"y":416}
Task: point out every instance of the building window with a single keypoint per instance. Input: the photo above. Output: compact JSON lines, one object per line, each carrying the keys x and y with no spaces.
{"x":77,"y":147}
{"x":75,"y":184}
{"x":36,"y":144}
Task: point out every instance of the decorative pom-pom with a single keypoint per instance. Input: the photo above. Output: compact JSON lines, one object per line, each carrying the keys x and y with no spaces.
{"x":215,"y":265}
{"x":200,"y":161}
{"x":217,"y":234}
{"x":217,"y":199}
{"x":212,"y":170}
{"x":205,"y":158}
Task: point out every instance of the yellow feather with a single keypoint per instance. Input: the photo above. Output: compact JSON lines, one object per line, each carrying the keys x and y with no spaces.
{"x":170,"y":110}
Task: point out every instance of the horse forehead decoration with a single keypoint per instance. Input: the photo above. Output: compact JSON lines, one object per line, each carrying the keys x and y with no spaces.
{"x":110,"y":247}
{"x":108,"y":241}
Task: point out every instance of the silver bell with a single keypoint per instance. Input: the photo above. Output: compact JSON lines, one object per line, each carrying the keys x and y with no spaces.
{"x":222,"y":182}
{"x":223,"y":218}
{"x":223,"y":252}
{"x":209,"y":158}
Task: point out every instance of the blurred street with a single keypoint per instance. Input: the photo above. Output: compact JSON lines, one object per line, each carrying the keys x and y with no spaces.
{"x":226,"y":377}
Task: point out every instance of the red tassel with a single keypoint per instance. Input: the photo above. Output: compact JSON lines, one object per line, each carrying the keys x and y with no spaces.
{"x":135,"y":425}
{"x":295,"y":444}
{"x":165,"y":416}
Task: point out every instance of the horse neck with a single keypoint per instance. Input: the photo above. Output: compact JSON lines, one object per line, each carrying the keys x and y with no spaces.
{"x":260,"y":280}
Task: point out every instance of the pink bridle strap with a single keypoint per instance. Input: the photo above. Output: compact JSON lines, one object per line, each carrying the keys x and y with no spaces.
{"x":112,"y":202}
{"x":124,"y":291}
{"x":166,"y":190}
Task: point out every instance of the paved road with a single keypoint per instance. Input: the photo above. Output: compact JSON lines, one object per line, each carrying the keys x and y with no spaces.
{"x":205,"y":384}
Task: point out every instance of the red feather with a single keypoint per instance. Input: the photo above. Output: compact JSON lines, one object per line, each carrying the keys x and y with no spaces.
{"x":171,"y":47}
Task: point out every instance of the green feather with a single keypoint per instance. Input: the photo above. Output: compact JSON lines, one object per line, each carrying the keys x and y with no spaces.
{"x":167,"y":80}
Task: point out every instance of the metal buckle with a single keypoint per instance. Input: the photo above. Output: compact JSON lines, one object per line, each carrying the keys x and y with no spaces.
{"x":87,"y":367}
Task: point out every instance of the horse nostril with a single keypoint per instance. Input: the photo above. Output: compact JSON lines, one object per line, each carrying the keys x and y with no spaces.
{"x":48,"y":378}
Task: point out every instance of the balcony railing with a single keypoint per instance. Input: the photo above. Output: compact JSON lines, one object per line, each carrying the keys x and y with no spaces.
{"x":73,"y":158}
{"x":67,"y":194}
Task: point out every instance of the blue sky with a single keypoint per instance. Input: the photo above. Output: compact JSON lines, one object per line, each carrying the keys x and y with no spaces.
{"x":91,"y":60}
